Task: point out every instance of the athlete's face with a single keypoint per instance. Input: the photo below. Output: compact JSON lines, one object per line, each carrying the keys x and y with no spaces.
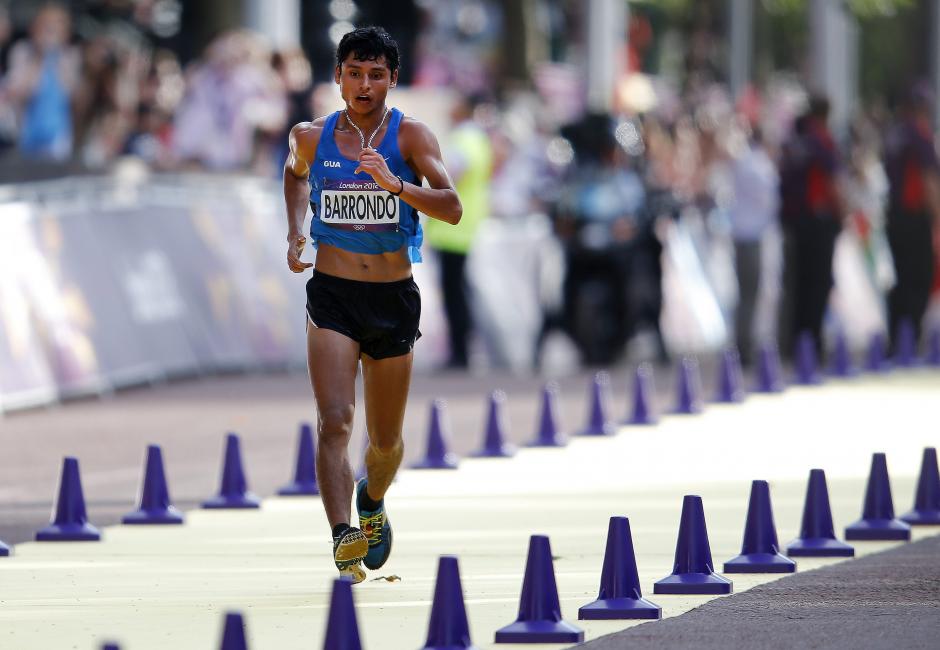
{"x":364,"y":84}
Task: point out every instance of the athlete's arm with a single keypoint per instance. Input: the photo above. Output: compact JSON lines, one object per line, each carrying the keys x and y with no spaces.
{"x":422,"y":152}
{"x":302,"y":141}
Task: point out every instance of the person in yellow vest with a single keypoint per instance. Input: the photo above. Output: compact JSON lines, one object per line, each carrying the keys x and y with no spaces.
{"x":469,"y":160}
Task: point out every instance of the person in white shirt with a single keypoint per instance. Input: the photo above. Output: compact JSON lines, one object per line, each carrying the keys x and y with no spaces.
{"x":752,"y":211}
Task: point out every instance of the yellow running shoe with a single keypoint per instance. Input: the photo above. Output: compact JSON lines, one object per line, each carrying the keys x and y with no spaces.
{"x":349,"y":548}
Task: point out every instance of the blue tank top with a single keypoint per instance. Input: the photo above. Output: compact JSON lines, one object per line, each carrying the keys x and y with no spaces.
{"x":350,"y":211}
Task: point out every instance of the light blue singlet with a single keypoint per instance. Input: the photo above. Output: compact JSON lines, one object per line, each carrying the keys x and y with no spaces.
{"x":350,"y":211}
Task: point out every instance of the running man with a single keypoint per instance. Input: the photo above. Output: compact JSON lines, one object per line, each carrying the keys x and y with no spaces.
{"x":362,"y":171}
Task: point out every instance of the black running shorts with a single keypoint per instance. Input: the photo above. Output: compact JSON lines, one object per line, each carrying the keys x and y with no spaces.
{"x":381,"y":316}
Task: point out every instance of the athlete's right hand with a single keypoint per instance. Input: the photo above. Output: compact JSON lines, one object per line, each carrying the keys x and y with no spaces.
{"x":295,"y":246}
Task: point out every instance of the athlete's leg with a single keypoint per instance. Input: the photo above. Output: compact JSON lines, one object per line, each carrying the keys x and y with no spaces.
{"x":332,"y":360}
{"x":386,"y":384}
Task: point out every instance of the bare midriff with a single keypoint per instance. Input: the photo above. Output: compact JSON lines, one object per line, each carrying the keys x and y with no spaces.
{"x":364,"y":267}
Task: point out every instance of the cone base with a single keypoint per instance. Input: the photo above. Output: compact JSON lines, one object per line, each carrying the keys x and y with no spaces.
{"x":843,"y":373}
{"x":169,"y":516}
{"x":876,"y":530}
{"x":608,"y":429}
{"x":232,"y":502}
{"x":300,"y":489}
{"x":641,"y":421}
{"x":620,"y":608}
{"x":691,"y":409}
{"x":814,"y":380}
{"x":769,"y":389}
{"x":68,"y":533}
{"x":4,"y":550}
{"x":540,"y":632}
{"x":447,"y":462}
{"x":736,"y":398}
{"x":880,"y":367}
{"x":545,"y":442}
{"x":760,"y":563}
{"x":923,"y":517}
{"x":819,"y":547}
{"x":506,"y":451}
{"x":693,"y":583}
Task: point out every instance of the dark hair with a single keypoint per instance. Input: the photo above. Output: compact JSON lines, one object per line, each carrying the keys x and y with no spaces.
{"x":368,"y":44}
{"x":818,"y":107}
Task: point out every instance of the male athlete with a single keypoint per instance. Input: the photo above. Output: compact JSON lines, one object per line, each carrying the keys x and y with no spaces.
{"x":362,"y":170}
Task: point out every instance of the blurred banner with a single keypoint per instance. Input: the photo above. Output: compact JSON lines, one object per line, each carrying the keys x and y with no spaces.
{"x":104,"y":285}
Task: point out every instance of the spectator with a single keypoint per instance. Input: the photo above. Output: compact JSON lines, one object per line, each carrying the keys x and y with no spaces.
{"x":294,"y":72}
{"x":599,"y":220}
{"x":811,"y":216}
{"x":106,"y":100}
{"x":914,"y":206}
{"x":865,"y":189}
{"x":40,"y":83}
{"x":7,"y":114}
{"x":469,"y":159}
{"x":752,"y":210}
{"x":231,"y":96}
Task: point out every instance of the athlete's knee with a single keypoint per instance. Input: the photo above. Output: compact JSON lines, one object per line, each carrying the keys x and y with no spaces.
{"x":387,"y":447}
{"x":336,"y":422}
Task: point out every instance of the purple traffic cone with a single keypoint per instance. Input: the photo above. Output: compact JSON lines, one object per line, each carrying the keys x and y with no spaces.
{"x":768,"y":370}
{"x":71,"y":522}
{"x":933,"y":348}
{"x":878,"y":522}
{"x":689,"y":393}
{"x":342,"y":630}
{"x":305,"y":470}
{"x":599,"y":422}
{"x":448,"y":628}
{"x":817,"y":535}
{"x":760,"y":551}
{"x":548,"y":434}
{"x":4,"y":550}
{"x":234,"y":490}
{"x":842,"y":365}
{"x":110,"y":646}
{"x":436,"y":455}
{"x":926,"y":511}
{"x":905,"y":347}
{"x":644,"y":410}
{"x":620,"y":596}
{"x":693,"y":571}
{"x":807,"y":373}
{"x":876,"y":361}
{"x":155,"y":506}
{"x":494,"y":438}
{"x":233,"y":632}
{"x":730,"y":383}
{"x":539,"y":618}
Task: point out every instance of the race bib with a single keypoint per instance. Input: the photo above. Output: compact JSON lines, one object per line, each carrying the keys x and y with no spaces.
{"x":358,"y":205}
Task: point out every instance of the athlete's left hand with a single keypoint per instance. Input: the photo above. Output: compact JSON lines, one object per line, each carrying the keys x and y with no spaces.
{"x":372,"y":163}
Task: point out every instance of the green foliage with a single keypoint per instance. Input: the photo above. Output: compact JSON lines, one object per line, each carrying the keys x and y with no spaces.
{"x":874,"y":8}
{"x":861,"y":8}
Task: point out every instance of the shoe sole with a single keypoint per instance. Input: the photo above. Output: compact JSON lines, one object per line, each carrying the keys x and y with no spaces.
{"x":349,"y":554}
{"x":354,"y":572}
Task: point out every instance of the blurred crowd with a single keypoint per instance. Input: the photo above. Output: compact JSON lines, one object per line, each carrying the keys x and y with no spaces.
{"x":92,"y":95}
{"x":704,"y":222}
{"x":683,"y":219}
